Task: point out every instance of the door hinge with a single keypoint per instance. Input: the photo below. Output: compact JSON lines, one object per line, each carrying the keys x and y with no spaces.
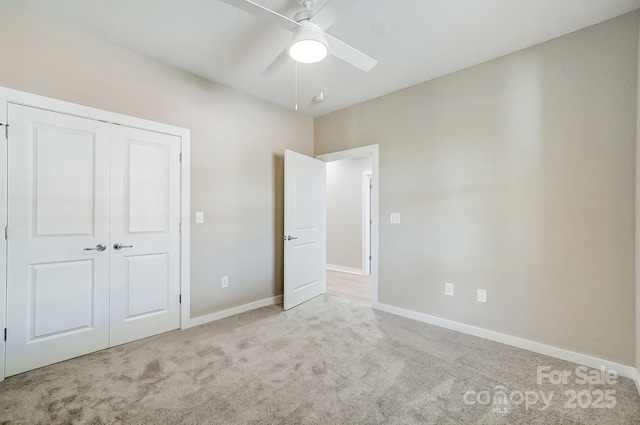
{"x":180,"y":300}
{"x":6,"y":233}
{"x":5,"y":334}
{"x":180,"y":156}
{"x":180,"y":228}
{"x":370,"y":258}
{"x":6,"y":130}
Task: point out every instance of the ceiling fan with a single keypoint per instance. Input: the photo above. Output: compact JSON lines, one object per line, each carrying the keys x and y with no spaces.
{"x":310,"y":43}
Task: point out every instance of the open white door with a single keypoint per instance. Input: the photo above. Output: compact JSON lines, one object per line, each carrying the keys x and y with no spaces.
{"x":304,"y":228}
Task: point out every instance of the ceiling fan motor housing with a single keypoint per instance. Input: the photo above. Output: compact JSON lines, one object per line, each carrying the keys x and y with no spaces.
{"x":307,"y":13}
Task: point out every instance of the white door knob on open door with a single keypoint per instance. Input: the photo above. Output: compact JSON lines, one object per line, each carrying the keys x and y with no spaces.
{"x":288,"y":238}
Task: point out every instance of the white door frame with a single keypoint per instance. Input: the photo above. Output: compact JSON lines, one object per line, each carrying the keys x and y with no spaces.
{"x":3,"y":223}
{"x":374,"y":152}
{"x":366,"y":222}
{"x":8,"y":96}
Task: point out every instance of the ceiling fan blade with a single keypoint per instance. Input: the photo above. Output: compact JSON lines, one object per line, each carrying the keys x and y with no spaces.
{"x":278,"y":63}
{"x":349,"y":54}
{"x":263,"y":13}
{"x":331,"y":12}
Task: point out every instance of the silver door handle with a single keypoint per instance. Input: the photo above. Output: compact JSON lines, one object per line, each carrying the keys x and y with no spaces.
{"x":288,"y":238}
{"x":100,"y":247}
{"x":118,"y":246}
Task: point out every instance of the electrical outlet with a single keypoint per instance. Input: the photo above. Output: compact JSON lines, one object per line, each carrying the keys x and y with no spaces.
{"x":482,"y":295}
{"x":224,"y":282}
{"x":448,"y":289}
{"x":394,"y":218}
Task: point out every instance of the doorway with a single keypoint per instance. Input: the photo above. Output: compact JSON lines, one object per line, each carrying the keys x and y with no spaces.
{"x":352,"y":229}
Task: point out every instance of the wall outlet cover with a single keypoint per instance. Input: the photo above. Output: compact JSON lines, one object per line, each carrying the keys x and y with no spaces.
{"x":224,"y":282}
{"x":394,"y":218}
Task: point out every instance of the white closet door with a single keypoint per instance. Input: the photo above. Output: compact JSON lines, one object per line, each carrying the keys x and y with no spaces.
{"x":145,"y":219}
{"x":57,"y":291}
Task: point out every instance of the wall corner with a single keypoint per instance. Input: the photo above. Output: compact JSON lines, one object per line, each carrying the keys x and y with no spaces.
{"x":637,"y":222}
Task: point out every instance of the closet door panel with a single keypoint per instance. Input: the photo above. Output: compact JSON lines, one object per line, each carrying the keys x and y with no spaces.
{"x":58,"y":217}
{"x":145,"y":234}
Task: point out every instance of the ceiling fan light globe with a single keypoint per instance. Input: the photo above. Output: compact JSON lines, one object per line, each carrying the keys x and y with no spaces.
{"x":308,"y":44}
{"x":308,"y":51}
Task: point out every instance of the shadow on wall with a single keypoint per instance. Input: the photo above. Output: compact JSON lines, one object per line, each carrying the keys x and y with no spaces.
{"x":278,"y":225}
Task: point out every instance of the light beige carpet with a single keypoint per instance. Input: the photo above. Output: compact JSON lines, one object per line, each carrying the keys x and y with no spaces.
{"x":328,"y":361}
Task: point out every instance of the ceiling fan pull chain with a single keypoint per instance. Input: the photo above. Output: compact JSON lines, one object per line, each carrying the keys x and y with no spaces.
{"x":321,"y":91}
{"x":296,"y":82}
{"x":320,"y":97}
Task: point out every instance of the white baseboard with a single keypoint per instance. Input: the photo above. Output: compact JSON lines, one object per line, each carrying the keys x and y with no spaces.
{"x":344,"y":269}
{"x":201,"y":320}
{"x":536,"y":347}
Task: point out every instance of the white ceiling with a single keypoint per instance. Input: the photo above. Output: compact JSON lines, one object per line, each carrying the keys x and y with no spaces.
{"x":413,"y":40}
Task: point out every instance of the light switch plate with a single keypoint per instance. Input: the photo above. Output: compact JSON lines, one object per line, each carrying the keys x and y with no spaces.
{"x":448,"y":289}
{"x":394,"y":218}
{"x":482,"y":295}
{"x":199,"y":217}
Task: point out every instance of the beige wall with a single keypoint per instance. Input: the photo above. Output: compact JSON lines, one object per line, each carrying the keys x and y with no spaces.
{"x":237,"y":146}
{"x":516,"y":176}
{"x":344,"y":212}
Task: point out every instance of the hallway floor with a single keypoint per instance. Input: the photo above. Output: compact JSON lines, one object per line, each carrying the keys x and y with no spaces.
{"x":351,"y":286}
